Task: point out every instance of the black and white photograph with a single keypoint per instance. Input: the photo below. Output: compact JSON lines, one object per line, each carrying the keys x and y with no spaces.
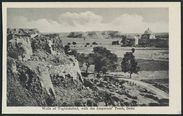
{"x":88,"y":57}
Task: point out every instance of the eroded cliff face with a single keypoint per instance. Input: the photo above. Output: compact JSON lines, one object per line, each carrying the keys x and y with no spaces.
{"x":72,"y":69}
{"x":19,"y":47}
{"x":34,"y":62}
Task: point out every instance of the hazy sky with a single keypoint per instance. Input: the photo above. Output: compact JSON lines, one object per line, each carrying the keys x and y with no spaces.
{"x":127,"y":20}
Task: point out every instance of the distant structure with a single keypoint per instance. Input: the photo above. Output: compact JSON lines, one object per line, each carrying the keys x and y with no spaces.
{"x":147,"y":37}
{"x":130,"y":40}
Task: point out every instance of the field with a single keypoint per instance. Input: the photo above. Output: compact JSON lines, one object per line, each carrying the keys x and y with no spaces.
{"x":140,"y":53}
{"x":153,"y":62}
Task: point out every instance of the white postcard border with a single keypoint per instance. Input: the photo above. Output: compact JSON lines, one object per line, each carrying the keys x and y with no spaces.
{"x":174,"y":58}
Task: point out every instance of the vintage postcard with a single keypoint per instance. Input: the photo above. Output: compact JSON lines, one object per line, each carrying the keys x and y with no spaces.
{"x":91,"y":58}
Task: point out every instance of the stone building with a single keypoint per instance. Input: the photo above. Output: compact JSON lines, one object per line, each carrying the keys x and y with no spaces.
{"x":146,"y":37}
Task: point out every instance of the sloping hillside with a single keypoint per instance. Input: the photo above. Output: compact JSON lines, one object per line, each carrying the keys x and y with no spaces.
{"x":40,"y":74}
{"x":33,"y":65}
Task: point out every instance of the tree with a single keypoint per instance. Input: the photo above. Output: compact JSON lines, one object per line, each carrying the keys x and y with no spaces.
{"x":94,"y":43}
{"x":74,"y":43}
{"x":104,"y":60}
{"x":129,"y":63}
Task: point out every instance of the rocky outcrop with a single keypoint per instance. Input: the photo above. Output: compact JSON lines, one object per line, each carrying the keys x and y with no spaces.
{"x":45,"y":80}
{"x":24,"y":86}
{"x":23,"y":43}
{"x":51,"y":44}
{"x":72,"y":69}
{"x":19,"y":47}
{"x":33,"y":61}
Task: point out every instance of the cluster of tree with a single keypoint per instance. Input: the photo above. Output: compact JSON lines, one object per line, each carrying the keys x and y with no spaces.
{"x":87,"y":44}
{"x":104,"y":60}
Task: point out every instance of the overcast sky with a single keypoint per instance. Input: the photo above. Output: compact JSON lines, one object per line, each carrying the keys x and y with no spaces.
{"x":127,"y":20}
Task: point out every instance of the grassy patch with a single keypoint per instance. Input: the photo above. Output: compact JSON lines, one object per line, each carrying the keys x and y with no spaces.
{"x":152,"y":65}
{"x":149,"y":65}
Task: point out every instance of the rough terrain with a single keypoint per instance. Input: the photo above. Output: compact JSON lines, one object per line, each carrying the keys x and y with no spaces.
{"x":40,"y":74}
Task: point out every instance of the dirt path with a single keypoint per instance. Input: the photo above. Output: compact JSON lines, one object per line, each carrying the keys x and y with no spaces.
{"x":161,"y":94}
{"x":153,"y":89}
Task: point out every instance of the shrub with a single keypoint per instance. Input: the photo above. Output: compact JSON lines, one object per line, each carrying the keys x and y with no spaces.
{"x":94,"y":43}
{"x":74,"y":43}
